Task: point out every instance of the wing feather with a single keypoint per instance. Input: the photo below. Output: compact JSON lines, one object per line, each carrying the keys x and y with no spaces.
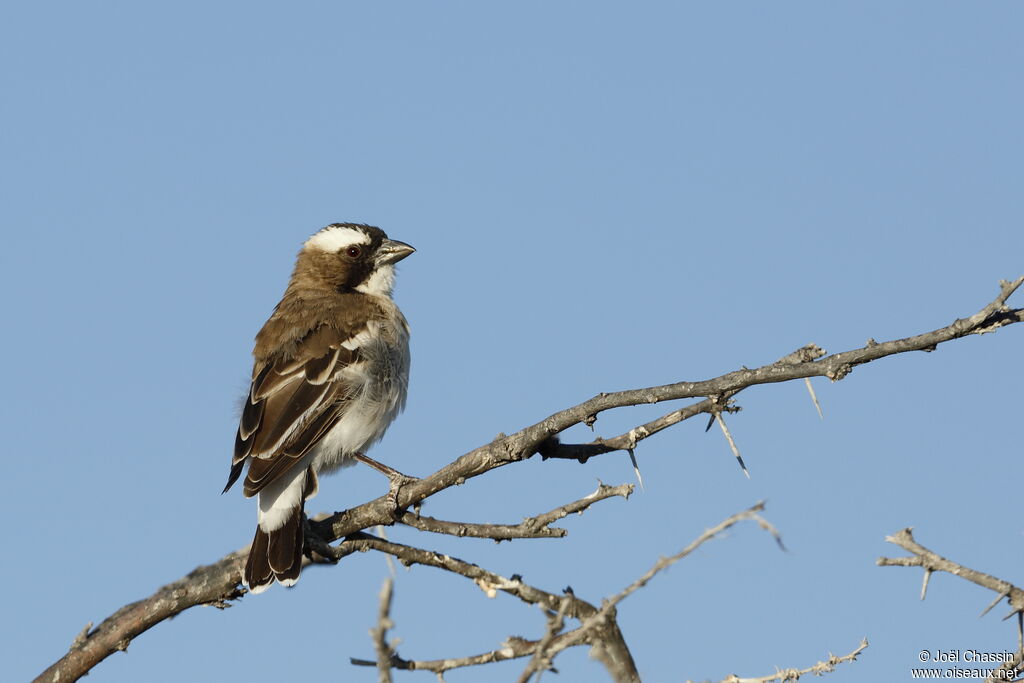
{"x":286,"y":412}
{"x":262,"y":471}
{"x":319,"y":370}
{"x":252,"y":416}
{"x":292,"y":403}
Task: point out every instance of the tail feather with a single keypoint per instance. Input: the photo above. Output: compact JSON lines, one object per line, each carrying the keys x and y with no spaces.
{"x":277,"y":554}
{"x":258,"y":575}
{"x":285,"y":551}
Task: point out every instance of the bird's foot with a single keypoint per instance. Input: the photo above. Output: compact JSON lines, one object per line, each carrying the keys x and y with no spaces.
{"x":396,"y":479}
{"x":394,"y":488}
{"x":313,"y":542}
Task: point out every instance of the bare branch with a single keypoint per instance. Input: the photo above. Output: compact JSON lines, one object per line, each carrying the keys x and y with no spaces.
{"x":489,"y":582}
{"x":820,"y":669}
{"x":540,"y":660}
{"x":663,"y":563}
{"x":531,"y":527}
{"x":613,"y":653}
{"x":713,"y":406}
{"x":597,"y":628}
{"x":608,"y":605}
{"x":1002,"y":673}
{"x":581,"y":452}
{"x":512,"y":648}
{"x":803,"y":363}
{"x":219,"y":583}
{"x":379,"y":634}
{"x":214,"y":584}
{"x":932,"y":562}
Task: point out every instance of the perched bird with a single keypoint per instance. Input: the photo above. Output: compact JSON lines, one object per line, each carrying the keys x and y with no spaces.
{"x":330,"y":374}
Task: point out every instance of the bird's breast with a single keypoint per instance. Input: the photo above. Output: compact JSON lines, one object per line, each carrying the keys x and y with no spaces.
{"x":377,"y":387}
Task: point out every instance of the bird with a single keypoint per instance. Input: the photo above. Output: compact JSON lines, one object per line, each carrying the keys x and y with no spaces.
{"x":330,"y":374}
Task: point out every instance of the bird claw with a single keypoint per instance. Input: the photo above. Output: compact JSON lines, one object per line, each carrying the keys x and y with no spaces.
{"x":395,"y":478}
{"x":314,"y":543}
{"x":396,"y":482}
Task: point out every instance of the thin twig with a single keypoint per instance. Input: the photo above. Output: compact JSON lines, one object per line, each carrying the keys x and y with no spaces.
{"x":531,"y":527}
{"x":820,"y":669}
{"x":379,"y":633}
{"x":597,"y":626}
{"x":614,"y":652}
{"x":540,"y":661}
{"x":512,"y":648}
{"x":608,"y":605}
{"x":710,"y":406}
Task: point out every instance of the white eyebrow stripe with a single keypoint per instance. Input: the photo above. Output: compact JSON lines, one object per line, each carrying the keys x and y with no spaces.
{"x":335,"y":238}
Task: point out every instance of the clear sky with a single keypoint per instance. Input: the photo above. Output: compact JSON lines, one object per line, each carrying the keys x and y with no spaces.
{"x":603,"y":196}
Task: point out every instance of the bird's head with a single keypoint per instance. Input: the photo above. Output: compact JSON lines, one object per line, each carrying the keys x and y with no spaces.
{"x":351,"y":256}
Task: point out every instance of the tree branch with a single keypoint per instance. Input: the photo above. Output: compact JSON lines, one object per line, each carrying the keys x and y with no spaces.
{"x":524,"y":443}
{"x":218,"y":583}
{"x":379,"y":634}
{"x":598,"y":627}
{"x":597,"y":619}
{"x":531,"y":527}
{"x":820,"y":669}
{"x":614,"y":654}
{"x":804,"y":363}
{"x":512,"y":648}
{"x":215,"y":584}
{"x":540,"y":660}
{"x":932,"y":562}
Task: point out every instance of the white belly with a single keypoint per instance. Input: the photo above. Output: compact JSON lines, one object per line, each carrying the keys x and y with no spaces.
{"x":379,"y":386}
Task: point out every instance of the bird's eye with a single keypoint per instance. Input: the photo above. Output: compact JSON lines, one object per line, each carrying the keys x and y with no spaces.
{"x":353,"y":252}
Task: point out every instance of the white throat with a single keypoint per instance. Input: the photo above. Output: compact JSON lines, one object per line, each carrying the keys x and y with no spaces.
{"x":380,"y":283}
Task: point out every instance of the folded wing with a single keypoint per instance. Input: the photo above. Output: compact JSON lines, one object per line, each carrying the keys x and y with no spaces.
{"x":293,"y":401}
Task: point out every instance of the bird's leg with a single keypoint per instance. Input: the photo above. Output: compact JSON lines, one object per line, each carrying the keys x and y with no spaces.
{"x":397,"y":479}
{"x":313,"y":542}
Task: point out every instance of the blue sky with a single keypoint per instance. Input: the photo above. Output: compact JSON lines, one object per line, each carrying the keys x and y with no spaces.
{"x":602,"y":197}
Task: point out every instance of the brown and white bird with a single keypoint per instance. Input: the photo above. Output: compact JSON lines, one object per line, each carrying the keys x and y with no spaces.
{"x":330,"y":374}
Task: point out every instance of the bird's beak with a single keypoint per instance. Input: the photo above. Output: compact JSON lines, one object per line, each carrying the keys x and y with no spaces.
{"x":392,"y":251}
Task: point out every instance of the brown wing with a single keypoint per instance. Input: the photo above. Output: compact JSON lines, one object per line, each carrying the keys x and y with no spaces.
{"x":293,"y":401}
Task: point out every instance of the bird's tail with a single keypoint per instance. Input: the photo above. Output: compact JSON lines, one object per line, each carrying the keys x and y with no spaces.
{"x":277,"y":553}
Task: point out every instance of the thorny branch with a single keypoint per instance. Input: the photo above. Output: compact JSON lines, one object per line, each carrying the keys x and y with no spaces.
{"x":932,"y":562}
{"x":541,"y":660}
{"x":379,"y":634}
{"x":531,"y":527}
{"x":513,"y":648}
{"x":606,"y":612}
{"x":598,"y":627}
{"x":218,"y":584}
{"x":823,"y":667}
{"x":807,"y":361}
{"x":615,"y":654}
